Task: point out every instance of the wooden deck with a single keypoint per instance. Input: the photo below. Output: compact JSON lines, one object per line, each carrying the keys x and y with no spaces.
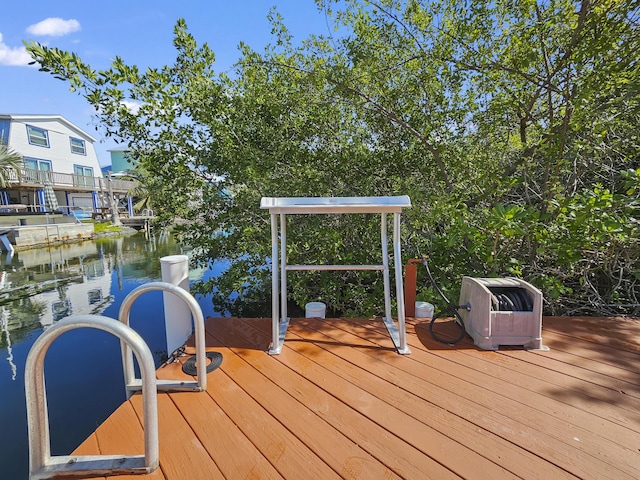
{"x":340,"y":403}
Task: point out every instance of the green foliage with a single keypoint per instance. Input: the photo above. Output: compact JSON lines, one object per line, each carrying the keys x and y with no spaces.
{"x":9,"y":160}
{"x":511,"y":125}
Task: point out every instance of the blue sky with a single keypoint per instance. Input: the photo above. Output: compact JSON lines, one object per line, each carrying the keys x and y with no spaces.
{"x":139,"y":31}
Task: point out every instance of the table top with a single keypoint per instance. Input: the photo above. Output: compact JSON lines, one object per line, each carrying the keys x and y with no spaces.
{"x":310,"y":205}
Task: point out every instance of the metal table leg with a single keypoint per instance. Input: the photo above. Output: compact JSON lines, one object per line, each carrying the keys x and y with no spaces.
{"x":397,"y":333}
{"x":397,"y":260}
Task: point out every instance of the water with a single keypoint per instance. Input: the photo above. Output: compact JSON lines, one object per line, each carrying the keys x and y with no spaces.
{"x":83,"y":369}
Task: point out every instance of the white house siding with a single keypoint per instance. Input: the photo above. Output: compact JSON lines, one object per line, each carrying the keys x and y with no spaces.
{"x":59,"y":151}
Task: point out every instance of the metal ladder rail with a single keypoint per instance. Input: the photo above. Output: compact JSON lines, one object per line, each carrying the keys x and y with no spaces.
{"x":132,"y":383}
{"x":42,"y":464}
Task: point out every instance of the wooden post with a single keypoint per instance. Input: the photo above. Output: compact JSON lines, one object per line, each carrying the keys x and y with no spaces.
{"x":410,"y":281}
{"x":115,"y":216}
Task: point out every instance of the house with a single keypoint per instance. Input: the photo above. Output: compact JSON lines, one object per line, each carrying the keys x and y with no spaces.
{"x":58,"y":154}
{"x":120,"y":161}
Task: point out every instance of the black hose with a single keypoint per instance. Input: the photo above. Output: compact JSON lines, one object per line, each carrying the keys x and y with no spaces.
{"x":449,"y":309}
{"x":189,"y":367}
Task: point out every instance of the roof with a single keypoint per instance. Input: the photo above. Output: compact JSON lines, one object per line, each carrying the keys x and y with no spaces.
{"x":46,"y":117}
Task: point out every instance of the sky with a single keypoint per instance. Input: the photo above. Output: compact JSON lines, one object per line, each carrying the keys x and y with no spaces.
{"x":139,"y":31}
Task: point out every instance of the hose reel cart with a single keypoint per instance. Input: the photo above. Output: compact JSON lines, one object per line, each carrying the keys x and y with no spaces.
{"x":502,"y":311}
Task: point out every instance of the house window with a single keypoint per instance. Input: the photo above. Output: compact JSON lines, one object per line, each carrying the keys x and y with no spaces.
{"x":83,"y":176}
{"x":38,"y":136}
{"x":77,"y":146}
{"x":37,"y":170}
{"x":4,"y":131}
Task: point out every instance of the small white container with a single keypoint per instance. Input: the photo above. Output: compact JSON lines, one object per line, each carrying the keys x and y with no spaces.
{"x":424,"y":310}
{"x":315,"y":310}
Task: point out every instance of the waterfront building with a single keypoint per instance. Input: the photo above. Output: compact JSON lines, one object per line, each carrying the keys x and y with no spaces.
{"x":58,"y":157}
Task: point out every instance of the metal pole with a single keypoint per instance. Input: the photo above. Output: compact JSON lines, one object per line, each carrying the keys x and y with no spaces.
{"x":283,"y":264}
{"x":397,"y":260}
{"x":275,"y":310}
{"x":385,"y":263}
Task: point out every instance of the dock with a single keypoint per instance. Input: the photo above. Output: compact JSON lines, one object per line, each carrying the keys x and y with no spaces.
{"x":340,"y":402}
{"x":138,"y":222}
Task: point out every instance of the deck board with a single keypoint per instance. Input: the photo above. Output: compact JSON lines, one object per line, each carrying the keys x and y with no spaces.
{"x":269,"y":384}
{"x":338,"y":402}
{"x":233,"y":453}
{"x":285,"y":452}
{"x":476,"y":401}
{"x":424,"y":400}
{"x":330,"y":408}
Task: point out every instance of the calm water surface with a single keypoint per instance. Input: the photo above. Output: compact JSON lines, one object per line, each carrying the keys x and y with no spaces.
{"x":82,"y":368}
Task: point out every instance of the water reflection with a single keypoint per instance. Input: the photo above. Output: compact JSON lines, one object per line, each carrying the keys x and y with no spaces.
{"x":38,"y":287}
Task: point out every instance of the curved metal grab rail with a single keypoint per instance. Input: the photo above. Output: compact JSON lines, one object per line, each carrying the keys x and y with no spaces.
{"x":41,"y":463}
{"x":131,"y":382}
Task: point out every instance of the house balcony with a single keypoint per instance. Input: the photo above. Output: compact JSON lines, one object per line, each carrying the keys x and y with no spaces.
{"x":36,"y":179}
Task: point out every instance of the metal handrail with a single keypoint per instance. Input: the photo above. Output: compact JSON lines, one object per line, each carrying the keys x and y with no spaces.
{"x":42,"y":464}
{"x":32,"y":177}
{"x":132,"y":383}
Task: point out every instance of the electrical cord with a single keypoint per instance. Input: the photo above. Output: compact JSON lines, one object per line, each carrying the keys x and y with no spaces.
{"x":449,"y":309}
{"x":189,"y":367}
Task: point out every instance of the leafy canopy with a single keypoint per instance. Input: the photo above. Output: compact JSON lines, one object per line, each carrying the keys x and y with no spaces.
{"x":512,"y":125}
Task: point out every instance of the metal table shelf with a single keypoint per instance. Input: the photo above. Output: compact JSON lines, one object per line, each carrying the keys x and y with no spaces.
{"x":280,"y":207}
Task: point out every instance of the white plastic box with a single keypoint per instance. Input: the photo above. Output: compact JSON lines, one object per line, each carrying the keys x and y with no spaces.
{"x":315,"y":310}
{"x":490,"y":325}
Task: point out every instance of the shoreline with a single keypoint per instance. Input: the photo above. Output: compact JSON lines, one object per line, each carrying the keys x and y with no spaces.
{"x":123,"y":231}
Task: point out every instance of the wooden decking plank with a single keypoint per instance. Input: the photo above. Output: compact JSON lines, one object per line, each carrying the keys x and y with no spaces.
{"x":344,"y":456}
{"x":407,"y":434}
{"x":123,"y":433}
{"x":231,"y":450}
{"x":619,"y":333}
{"x":392,"y":451}
{"x":88,"y":447}
{"x":339,"y":402}
{"x":599,"y":405}
{"x":608,"y":438}
{"x":546,"y":376}
{"x":120,"y":433}
{"x":532,"y":370}
{"x":384,"y":383}
{"x":233,"y":453}
{"x":487,"y":409}
{"x":595,"y":369}
{"x":482,"y":406}
{"x":290,"y":456}
{"x":614,"y":361}
{"x":593,"y":392}
{"x":180,"y":450}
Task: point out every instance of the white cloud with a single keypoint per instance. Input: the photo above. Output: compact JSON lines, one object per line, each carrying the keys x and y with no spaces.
{"x":54,"y":27}
{"x":132,"y":106}
{"x":16,"y":56}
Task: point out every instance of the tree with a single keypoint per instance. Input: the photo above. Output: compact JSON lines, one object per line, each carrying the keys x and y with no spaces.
{"x":525,"y":111}
{"x":10,"y":160}
{"x":512,"y":126}
{"x":141,"y":193}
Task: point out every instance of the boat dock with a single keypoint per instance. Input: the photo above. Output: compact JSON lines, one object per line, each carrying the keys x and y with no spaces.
{"x":339,"y":402}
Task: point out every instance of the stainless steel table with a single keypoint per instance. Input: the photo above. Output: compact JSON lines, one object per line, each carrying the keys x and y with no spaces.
{"x":280,"y":207}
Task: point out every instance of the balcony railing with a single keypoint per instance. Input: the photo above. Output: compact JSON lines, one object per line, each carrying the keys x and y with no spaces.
{"x":37,"y":178}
